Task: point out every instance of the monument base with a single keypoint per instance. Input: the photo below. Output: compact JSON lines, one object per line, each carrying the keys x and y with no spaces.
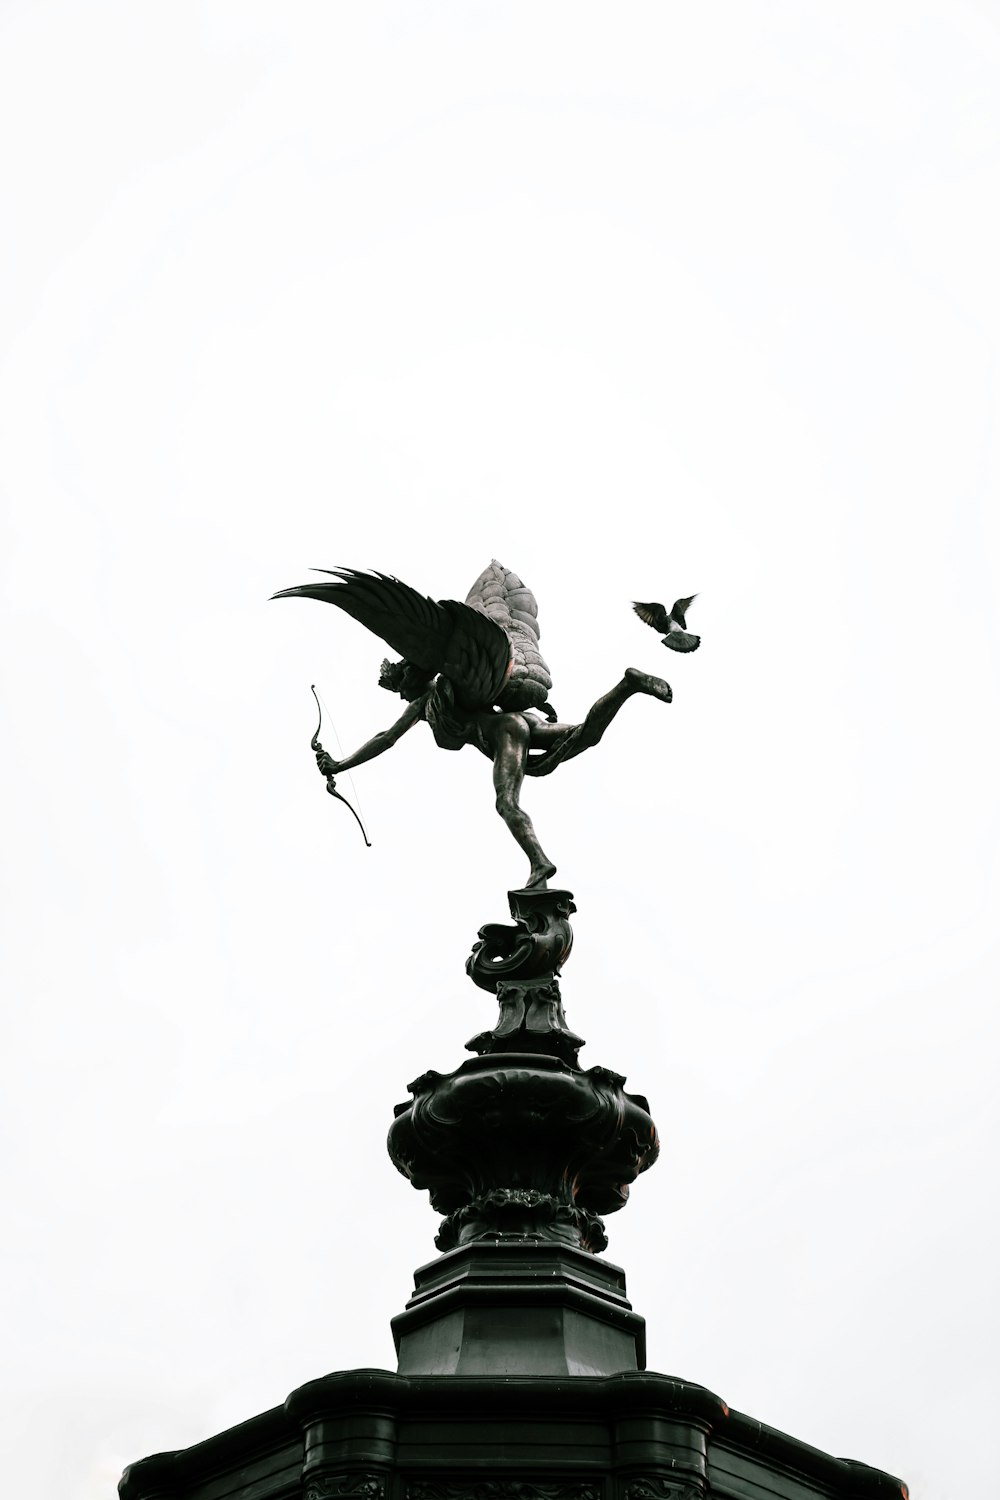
{"x":519,"y":1308}
{"x":371,"y":1435}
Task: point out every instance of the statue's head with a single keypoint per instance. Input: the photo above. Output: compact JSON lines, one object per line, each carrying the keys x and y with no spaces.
{"x":404,"y":678}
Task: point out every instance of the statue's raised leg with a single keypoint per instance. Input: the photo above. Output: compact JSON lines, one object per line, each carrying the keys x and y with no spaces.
{"x":554,"y":743}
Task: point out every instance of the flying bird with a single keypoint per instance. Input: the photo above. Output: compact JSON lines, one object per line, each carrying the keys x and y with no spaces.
{"x":672,"y":622}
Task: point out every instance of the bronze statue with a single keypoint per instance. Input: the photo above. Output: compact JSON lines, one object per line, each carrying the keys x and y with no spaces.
{"x":474,"y":672}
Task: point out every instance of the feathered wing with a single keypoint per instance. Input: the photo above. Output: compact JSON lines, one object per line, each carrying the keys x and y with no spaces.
{"x":680,"y":609}
{"x":653,"y":614}
{"x":445,"y":636}
{"x":499,"y":595}
{"x":478,"y":658}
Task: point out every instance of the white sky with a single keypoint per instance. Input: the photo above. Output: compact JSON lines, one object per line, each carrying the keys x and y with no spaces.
{"x":641,"y":300}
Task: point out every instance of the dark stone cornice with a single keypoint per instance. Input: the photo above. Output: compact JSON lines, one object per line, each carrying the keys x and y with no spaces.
{"x":168,"y":1475}
{"x":632,"y":1395}
{"x":485,"y":1395}
{"x":745,"y":1434}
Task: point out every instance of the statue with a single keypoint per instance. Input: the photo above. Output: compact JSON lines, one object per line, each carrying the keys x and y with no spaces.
{"x":474,"y":673}
{"x":518,"y":1146}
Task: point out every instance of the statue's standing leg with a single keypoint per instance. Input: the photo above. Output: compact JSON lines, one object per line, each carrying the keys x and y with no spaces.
{"x":508,"y":736}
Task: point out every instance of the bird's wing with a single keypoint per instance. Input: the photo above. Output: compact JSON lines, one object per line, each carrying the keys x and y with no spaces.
{"x":449,"y":637}
{"x":653,"y":614}
{"x":680,"y":609}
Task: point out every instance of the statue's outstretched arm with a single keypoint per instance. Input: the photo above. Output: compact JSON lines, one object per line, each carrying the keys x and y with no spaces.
{"x":377,"y":744}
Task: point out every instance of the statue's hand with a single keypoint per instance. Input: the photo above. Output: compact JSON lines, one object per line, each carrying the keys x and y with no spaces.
{"x":327,"y":765}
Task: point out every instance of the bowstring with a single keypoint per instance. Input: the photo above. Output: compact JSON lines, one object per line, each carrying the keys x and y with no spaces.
{"x":340,"y":755}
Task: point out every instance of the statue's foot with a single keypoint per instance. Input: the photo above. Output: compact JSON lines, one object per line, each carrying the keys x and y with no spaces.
{"x":539,"y":875}
{"x":642,"y":682}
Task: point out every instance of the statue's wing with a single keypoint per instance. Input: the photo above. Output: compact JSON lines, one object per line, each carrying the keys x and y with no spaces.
{"x":444,"y":636}
{"x":654,"y":615}
{"x":500,"y":594}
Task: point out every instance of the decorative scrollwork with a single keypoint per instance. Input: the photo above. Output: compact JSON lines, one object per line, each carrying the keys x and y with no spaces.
{"x":525,"y":1146}
{"x":356,"y":1486}
{"x":498,"y":1489}
{"x":531,"y":1020}
{"x":520,"y":1212}
{"x":536,"y":948}
{"x":658,"y":1487}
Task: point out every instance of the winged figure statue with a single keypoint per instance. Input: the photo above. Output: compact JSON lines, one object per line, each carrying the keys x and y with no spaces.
{"x":474,"y":673}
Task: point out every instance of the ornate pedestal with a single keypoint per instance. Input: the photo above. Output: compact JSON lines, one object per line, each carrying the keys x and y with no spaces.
{"x":522,"y":1150}
{"x":522,"y":1146}
{"x":521,"y":1363}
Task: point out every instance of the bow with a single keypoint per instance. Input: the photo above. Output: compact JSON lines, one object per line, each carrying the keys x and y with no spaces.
{"x":331,"y":785}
